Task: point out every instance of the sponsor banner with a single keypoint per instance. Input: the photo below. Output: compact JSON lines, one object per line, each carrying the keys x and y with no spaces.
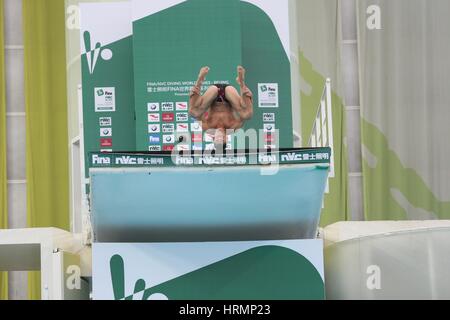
{"x":209,"y":137}
{"x":269,"y":128}
{"x":182,"y":116}
{"x":196,"y":127}
{"x":154,"y":148}
{"x":269,"y":117}
{"x":105,"y":99}
{"x":160,"y":76}
{"x":197,"y":138}
{"x":183,"y":147}
{"x":268,"y":138}
{"x":153,"y":107}
{"x":167,"y":106}
{"x":182,"y":127}
{"x":268,"y":95}
{"x":105,"y":132}
{"x":320,"y":156}
{"x":168,"y":128}
{"x":153,"y":117}
{"x":168,"y":139}
{"x":154,"y":128}
{"x":168,"y":117}
{"x":104,"y":68}
{"x":105,"y":122}
{"x":287,"y":269}
{"x":154,"y":139}
{"x":106,"y":142}
{"x":182,"y":106}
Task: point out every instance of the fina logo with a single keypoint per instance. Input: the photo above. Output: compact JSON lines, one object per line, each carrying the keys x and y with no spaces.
{"x":92,"y":54}
{"x":97,"y":160}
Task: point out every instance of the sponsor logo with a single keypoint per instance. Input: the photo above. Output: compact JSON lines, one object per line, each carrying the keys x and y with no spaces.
{"x":153,"y":117}
{"x":210,"y":147}
{"x":167,"y":106}
{"x":265,"y":158}
{"x":289,"y":157}
{"x":183,"y":137}
{"x":269,"y":117}
{"x":168,"y":148}
{"x":183,"y":147}
{"x":105,"y":99}
{"x":105,"y":122}
{"x":154,"y":148}
{"x":268,"y":138}
{"x":106,"y":142}
{"x":154,"y":139}
{"x":209,"y":137}
{"x":154,"y":128}
{"x":182,"y":127}
{"x":153,"y":107}
{"x":105,"y":132}
{"x":168,"y":139}
{"x":168,"y":117}
{"x":270,"y":146}
{"x":127,"y":160}
{"x":168,"y":128}
{"x":184,"y":161}
{"x":182,"y":117}
{"x":197,"y":137}
{"x":268,"y":127}
{"x":268,"y":95}
{"x":196,"y":127}
{"x":99,"y":160}
{"x":106,"y":150}
{"x":197,"y":147}
{"x":182,"y":106}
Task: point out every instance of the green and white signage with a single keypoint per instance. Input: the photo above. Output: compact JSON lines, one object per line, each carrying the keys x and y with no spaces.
{"x":107,"y":77}
{"x":172,"y":40}
{"x":264,"y":270}
{"x":141,"y":58}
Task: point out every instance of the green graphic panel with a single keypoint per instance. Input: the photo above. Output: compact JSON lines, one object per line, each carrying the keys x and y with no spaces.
{"x":265,"y":59}
{"x":380,"y":203}
{"x":170,"y":47}
{"x":336,"y":201}
{"x":262,"y":273}
{"x":115,"y":73}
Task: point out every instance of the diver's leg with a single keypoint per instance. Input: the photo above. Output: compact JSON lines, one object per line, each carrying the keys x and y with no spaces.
{"x":198,"y":104}
{"x":241,"y":103}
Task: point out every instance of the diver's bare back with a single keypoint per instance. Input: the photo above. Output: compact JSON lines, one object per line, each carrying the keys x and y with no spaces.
{"x":220,"y":115}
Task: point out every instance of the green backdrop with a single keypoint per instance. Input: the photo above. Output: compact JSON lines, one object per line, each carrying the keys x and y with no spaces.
{"x":319,"y":39}
{"x":169,"y":52}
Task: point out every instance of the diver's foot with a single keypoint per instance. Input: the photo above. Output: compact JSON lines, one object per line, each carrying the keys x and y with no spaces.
{"x":241,"y":76}
{"x":202,"y":75}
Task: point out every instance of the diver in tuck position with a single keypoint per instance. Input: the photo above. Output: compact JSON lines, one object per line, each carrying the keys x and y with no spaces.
{"x":221,"y":107}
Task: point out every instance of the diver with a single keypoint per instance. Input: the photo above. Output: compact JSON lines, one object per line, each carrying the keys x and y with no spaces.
{"x":221,"y":107}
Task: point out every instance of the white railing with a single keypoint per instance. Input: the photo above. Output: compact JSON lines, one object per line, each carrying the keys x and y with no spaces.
{"x":322,"y":131}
